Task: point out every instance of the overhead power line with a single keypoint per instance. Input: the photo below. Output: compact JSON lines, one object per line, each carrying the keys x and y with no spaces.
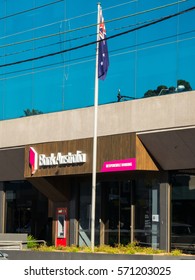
{"x":112,"y":52}
{"x":30,"y":10}
{"x":79,"y":37}
{"x":94,"y":42}
{"x":64,"y":20}
{"x":90,"y":59}
{"x":71,"y":40}
{"x":91,"y":25}
{"x":146,"y":11}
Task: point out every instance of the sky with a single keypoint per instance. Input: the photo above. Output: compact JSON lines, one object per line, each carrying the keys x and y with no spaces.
{"x":149,"y":54}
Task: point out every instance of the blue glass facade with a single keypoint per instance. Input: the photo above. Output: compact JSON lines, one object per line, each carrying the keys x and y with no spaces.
{"x":47,"y":54}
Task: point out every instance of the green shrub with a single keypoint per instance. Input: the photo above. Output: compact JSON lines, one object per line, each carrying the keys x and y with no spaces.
{"x":131,"y":248}
{"x":176,"y":252}
{"x":31,"y":242}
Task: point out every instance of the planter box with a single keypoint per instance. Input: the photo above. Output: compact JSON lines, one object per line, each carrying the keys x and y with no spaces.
{"x":34,"y":255}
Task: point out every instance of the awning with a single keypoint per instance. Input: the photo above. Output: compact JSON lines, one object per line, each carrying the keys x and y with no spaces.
{"x":172,"y":149}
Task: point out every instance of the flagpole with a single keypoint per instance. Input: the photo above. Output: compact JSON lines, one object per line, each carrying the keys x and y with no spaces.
{"x":93,"y":197}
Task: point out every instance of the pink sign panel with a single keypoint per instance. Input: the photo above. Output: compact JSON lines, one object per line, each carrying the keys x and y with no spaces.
{"x":119,"y":165}
{"x":33,"y":160}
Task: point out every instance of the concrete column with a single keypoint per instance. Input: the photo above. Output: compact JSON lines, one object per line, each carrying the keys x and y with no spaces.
{"x":165,"y":215}
{"x":2,"y":208}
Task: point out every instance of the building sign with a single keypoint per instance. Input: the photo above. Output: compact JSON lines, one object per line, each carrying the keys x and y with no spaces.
{"x":119,"y":165}
{"x":33,"y":160}
{"x":60,"y":159}
{"x":53,"y":159}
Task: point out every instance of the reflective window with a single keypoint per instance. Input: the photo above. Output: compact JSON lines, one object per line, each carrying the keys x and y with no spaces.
{"x":117,"y":212}
{"x":125,"y":211}
{"x":183,"y":209}
{"x":85,"y":215}
{"x":26,"y":209}
{"x":48,"y":57}
{"x":147,"y":212}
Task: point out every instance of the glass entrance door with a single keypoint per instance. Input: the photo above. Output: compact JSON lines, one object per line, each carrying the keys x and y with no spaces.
{"x":147,"y":216}
{"x":116,"y":212}
{"x":113,"y":213}
{"x":85,"y":215}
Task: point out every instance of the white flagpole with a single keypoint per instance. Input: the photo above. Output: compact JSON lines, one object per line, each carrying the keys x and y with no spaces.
{"x":93,"y":199}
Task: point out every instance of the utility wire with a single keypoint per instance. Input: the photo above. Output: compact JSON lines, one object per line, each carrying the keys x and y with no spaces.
{"x":157,"y":40}
{"x":81,"y":62}
{"x":73,"y":39}
{"x":94,"y":42}
{"x":122,"y":4}
{"x":145,"y":11}
{"x":30,"y":10}
{"x":76,"y":38}
{"x":65,"y":20}
{"x":90,"y":26}
{"x":113,"y":51}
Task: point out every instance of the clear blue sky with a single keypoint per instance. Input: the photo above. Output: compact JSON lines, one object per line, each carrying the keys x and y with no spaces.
{"x":140,"y":60}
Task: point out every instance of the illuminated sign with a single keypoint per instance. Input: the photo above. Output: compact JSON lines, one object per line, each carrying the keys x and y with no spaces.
{"x":60,"y":159}
{"x":33,"y":160}
{"x":119,"y":165}
{"x":53,"y":159}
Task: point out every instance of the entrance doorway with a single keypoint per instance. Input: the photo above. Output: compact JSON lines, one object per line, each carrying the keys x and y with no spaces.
{"x":116,"y":212}
{"x":113,"y":213}
{"x":126,"y":211}
{"x":84,"y":231}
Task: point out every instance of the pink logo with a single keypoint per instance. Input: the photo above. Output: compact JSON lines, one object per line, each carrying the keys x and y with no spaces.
{"x":33,"y":160}
{"x":119,"y":165}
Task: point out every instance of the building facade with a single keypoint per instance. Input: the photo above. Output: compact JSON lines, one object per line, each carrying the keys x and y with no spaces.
{"x":145,"y":174}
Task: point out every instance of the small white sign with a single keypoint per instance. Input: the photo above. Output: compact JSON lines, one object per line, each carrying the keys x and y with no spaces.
{"x":155,"y":218}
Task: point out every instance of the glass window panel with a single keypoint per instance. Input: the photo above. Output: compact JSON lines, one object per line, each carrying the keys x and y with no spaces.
{"x":183,"y":207}
{"x":147,"y":211}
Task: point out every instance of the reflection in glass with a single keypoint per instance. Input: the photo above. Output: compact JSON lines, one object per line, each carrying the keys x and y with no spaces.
{"x":183,"y":209}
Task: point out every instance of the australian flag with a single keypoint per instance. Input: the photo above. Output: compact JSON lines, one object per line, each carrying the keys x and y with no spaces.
{"x":103,"y":59}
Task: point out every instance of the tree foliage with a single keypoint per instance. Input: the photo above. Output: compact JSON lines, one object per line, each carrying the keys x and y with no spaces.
{"x":32,"y":112}
{"x":162,"y":89}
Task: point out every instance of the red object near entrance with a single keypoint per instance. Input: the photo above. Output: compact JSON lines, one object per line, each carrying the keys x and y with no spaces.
{"x":61,"y":227}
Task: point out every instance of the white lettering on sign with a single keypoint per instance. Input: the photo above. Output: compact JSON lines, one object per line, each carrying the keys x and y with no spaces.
{"x":60,"y":159}
{"x":109,"y":165}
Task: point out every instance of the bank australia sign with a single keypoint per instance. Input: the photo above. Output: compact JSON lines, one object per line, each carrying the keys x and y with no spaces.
{"x":54,"y":159}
